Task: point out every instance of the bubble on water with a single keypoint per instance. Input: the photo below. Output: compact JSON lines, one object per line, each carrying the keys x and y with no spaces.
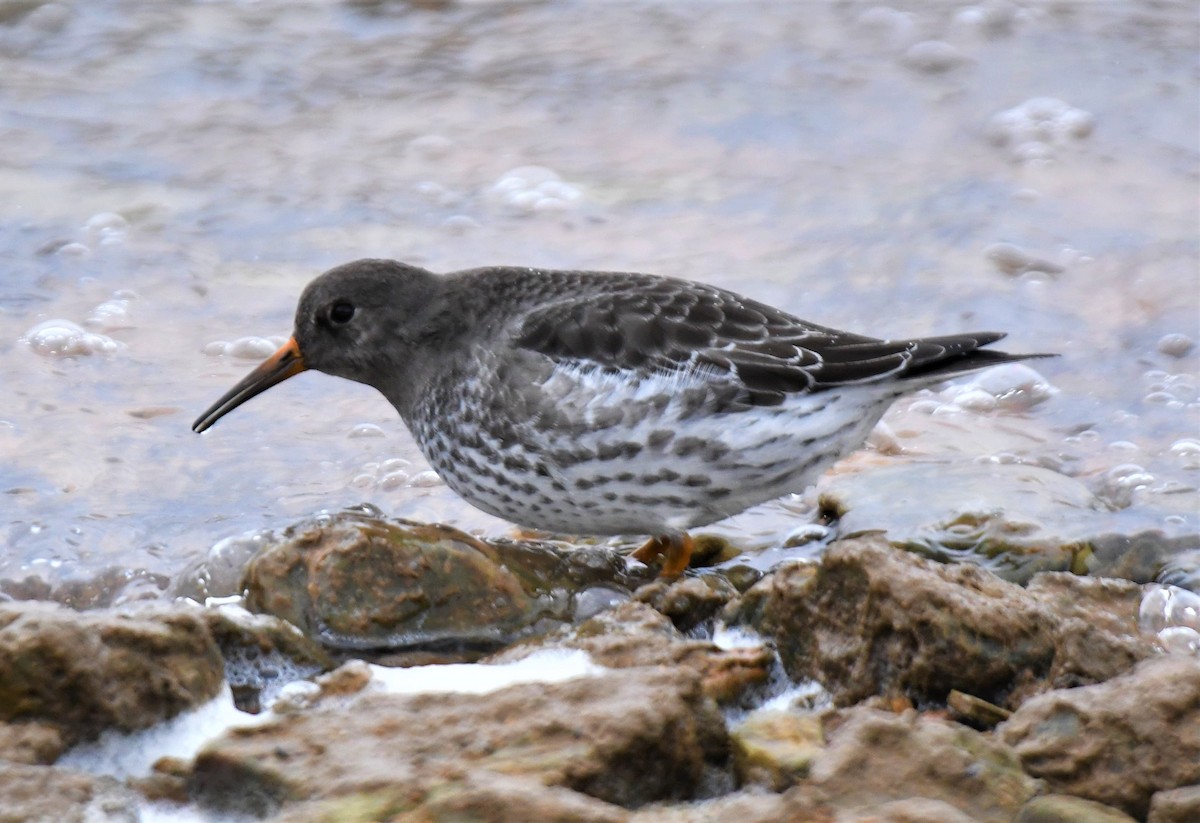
{"x":1121,"y":485}
{"x":367,"y":430}
{"x":933,"y":57}
{"x":887,"y":24}
{"x":437,"y":194}
{"x":1171,"y":390}
{"x":997,"y":18}
{"x":112,"y":314}
{"x":1035,"y":128}
{"x":393,"y":480}
{"x":73,"y":250}
{"x":431,"y":146}
{"x":1123,"y":446}
{"x":106,"y":228}
{"x":533,"y":189}
{"x":62,"y":338}
{"x":1009,"y":386}
{"x":1172,"y":615}
{"x":1175,"y":345}
{"x":1187,"y":451}
{"x":245,"y":348}
{"x":425,"y":479}
{"x":395,"y":464}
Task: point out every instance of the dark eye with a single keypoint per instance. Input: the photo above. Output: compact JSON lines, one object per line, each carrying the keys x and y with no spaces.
{"x":341,"y":312}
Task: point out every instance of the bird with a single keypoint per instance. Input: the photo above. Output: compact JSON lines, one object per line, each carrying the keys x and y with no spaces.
{"x":605,"y":403}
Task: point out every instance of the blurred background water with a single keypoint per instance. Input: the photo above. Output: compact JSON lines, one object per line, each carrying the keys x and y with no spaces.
{"x":174,"y":174}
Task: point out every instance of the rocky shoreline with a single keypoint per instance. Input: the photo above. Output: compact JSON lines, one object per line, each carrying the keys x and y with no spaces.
{"x":875,"y":685}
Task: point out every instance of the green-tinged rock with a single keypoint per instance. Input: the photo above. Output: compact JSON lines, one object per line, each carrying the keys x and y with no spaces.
{"x":774,"y":748}
{"x":474,"y":797}
{"x":1062,"y":808}
{"x":355,"y":581}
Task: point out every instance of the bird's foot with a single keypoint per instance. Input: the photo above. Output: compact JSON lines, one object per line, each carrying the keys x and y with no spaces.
{"x":675,"y":549}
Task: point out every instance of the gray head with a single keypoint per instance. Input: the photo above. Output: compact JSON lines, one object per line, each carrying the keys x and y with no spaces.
{"x":361,"y":321}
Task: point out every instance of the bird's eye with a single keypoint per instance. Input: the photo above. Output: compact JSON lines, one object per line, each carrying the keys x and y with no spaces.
{"x":341,"y":312}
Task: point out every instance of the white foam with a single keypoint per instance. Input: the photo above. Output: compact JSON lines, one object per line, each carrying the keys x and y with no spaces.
{"x":736,"y":637}
{"x":548,"y":666}
{"x":122,"y":755}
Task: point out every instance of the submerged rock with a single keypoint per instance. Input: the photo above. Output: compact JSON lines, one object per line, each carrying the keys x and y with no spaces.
{"x":1015,"y":520}
{"x":84,"y":672}
{"x":1116,"y":742}
{"x":872,"y":620}
{"x":354,"y":581}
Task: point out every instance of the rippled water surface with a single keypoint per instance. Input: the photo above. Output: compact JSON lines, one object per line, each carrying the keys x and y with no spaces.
{"x":173,"y":174}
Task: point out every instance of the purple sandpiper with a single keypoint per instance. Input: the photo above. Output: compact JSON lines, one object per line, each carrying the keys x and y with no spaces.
{"x":598,"y":403}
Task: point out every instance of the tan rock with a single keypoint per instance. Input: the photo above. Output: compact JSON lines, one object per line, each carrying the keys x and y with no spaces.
{"x":626,"y":738}
{"x":89,"y":671}
{"x":1116,"y":742}
{"x":876,"y":758}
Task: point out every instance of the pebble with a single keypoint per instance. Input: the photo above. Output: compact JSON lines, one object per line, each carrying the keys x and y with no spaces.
{"x":1175,"y":345}
{"x":1014,"y":260}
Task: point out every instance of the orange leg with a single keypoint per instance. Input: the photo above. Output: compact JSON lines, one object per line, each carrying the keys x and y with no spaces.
{"x":675,"y":549}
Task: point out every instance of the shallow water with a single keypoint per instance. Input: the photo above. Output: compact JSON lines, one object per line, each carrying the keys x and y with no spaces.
{"x":174,"y":174}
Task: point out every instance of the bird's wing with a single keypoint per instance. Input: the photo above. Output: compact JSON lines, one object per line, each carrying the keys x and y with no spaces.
{"x":672,"y":328}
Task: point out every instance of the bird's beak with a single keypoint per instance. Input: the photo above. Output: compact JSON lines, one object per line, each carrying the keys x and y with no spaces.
{"x":275,"y":369}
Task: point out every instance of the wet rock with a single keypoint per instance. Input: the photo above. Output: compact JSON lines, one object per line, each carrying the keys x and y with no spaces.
{"x":633,"y":634}
{"x":31,"y":743}
{"x":354,"y":581}
{"x":1062,"y":808}
{"x":45,"y":793}
{"x":1116,"y":742}
{"x":688,"y":601}
{"x":909,"y":810}
{"x":86,"y":672}
{"x":775,"y":749}
{"x":872,"y":620}
{"x":1175,"y":805}
{"x":628,"y":738}
{"x":877,"y":758}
